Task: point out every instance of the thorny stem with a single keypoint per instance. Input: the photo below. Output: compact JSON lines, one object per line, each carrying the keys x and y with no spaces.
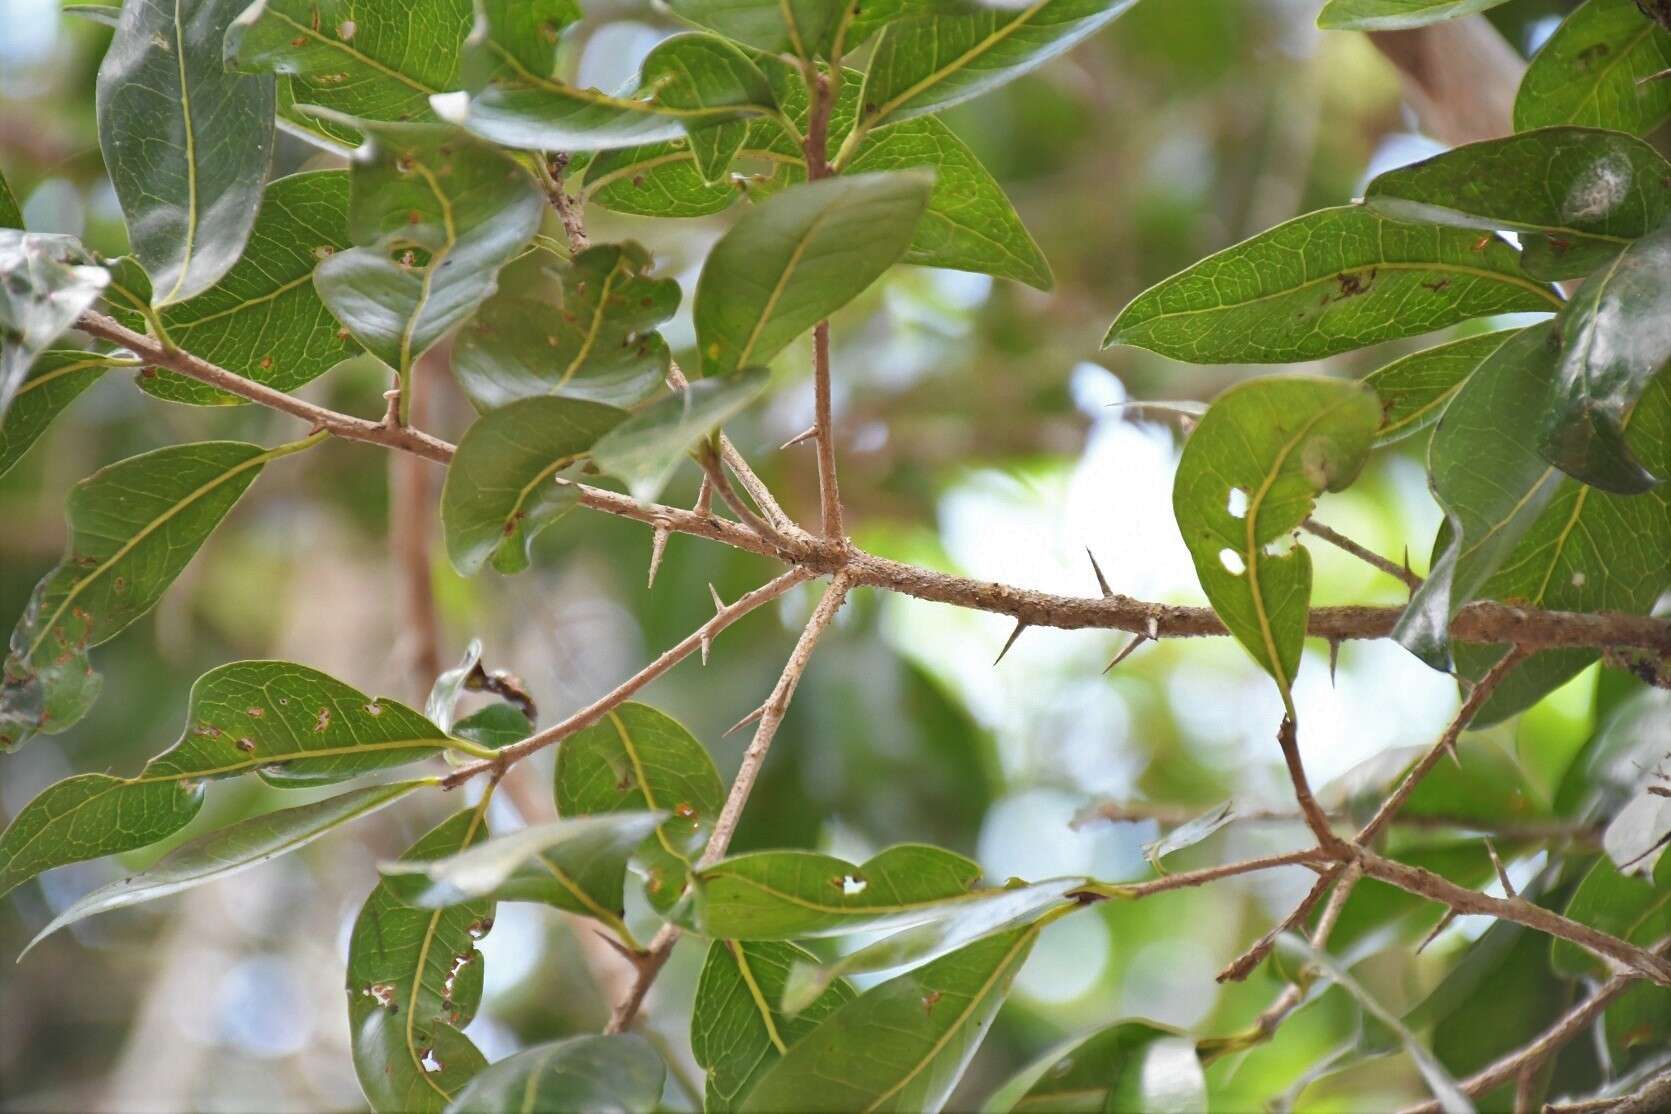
{"x":709,"y":458}
{"x":1368,"y":556}
{"x":816,"y":149}
{"x":1169,"y":815}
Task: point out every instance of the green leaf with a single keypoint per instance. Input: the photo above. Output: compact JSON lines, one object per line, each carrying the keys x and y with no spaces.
{"x":1576,"y":195}
{"x":1324,"y":283}
{"x":1134,"y":1066}
{"x":434,"y":216}
{"x":515,"y":38}
{"x":786,"y":895}
{"x":362,"y":61}
{"x":660,"y":180}
{"x":637,"y":759}
{"x":496,"y":726}
{"x":1615,"y":340}
{"x":699,"y":85}
{"x":186,"y":141}
{"x":1415,"y":389}
{"x":802,"y":27}
{"x":1189,"y":833}
{"x":1631,"y":908}
{"x":294,"y":725}
{"x":1394,"y":15}
{"x":797,"y":258}
{"x":45,"y":284}
{"x":1594,"y":71}
{"x":133,"y":526}
{"x":233,"y":850}
{"x":737,"y":1028}
{"x":619,"y":1071}
{"x":263,"y":319}
{"x":595,"y":339}
{"x":56,"y":380}
{"x":1250,"y":474}
{"x":927,"y":63}
{"x":645,"y":449}
{"x":414,"y":982}
{"x":901,"y":1045}
{"x":1483,"y":788}
{"x":501,"y":489}
{"x":11,"y":213}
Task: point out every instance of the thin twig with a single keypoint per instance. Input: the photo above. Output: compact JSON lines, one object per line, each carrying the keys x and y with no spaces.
{"x":714,"y":472}
{"x":1368,"y":556}
{"x":1287,"y":737}
{"x":411,"y":507}
{"x":816,"y":150}
{"x":1311,"y":856}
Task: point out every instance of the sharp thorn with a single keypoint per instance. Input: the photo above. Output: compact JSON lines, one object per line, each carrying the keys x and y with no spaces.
{"x":658,"y":547}
{"x":805,"y":435}
{"x":1334,"y":658}
{"x":707,"y":644}
{"x":719,"y":604}
{"x":704,"y":496}
{"x":1014,"y":634}
{"x":1137,"y":640}
{"x":1444,"y":923}
{"x":744,"y":722}
{"x":1153,"y":628}
{"x":1102,"y":581}
{"x":1502,"y":873}
{"x":621,"y":949}
{"x":1456,"y":759}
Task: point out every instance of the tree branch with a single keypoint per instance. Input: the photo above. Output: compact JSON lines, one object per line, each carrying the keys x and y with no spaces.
{"x":1368,"y":556}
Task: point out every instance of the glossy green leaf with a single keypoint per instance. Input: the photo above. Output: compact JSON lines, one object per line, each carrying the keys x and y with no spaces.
{"x":901,"y":1045}
{"x":294,"y":725}
{"x":802,"y":27}
{"x":1134,"y":1066}
{"x":1615,"y":340}
{"x":1624,"y":905}
{"x":11,"y":213}
{"x":797,"y":258}
{"x":595,"y":339}
{"x":1394,"y":15}
{"x":501,"y":489}
{"x":233,"y":850}
{"x":1415,"y":389}
{"x":637,"y":759}
{"x":263,"y":319}
{"x":646,"y":449}
{"x":1594,"y":70}
{"x":660,"y":180}
{"x":580,"y":1075}
{"x":1250,"y":474}
{"x":738,"y":1028}
{"x":57,"y":378}
{"x":1324,"y":283}
{"x":186,"y":141}
{"x":45,"y":284}
{"x":434,"y":216}
{"x":133,"y":526}
{"x":515,"y":38}
{"x":369,"y":62}
{"x":786,"y":895}
{"x":927,"y":63}
{"x":414,"y":982}
{"x":496,"y":726}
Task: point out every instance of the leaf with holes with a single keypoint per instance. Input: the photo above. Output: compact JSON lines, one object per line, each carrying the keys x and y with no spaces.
{"x":414,"y":982}
{"x":264,"y":319}
{"x":1395,"y":15}
{"x":501,"y":488}
{"x":1325,"y":283}
{"x":595,"y":339}
{"x":57,"y":379}
{"x":738,"y":1028}
{"x":646,"y":449}
{"x":45,"y":284}
{"x":637,"y":759}
{"x":616,"y":1071}
{"x":903,"y":1044}
{"x":294,"y":725}
{"x":1133,"y":1066}
{"x":133,"y":526}
{"x":797,"y":258}
{"x":233,"y":850}
{"x":187,"y":141}
{"x":1598,"y":70}
{"x":434,"y":216}
{"x":1415,"y":389}
{"x":1250,"y":474}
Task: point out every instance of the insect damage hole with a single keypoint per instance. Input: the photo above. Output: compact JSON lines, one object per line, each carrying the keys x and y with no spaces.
{"x":1232,"y":561}
{"x":852,"y":885}
{"x":1236,"y":502}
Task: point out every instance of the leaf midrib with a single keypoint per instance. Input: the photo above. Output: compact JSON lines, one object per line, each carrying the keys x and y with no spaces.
{"x":190,"y":246}
{"x":891,"y":105}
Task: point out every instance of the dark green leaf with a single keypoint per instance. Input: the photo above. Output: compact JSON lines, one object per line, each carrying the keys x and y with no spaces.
{"x":501,"y":489}
{"x":1484,"y":788}
{"x":45,"y":284}
{"x":54,"y":382}
{"x":582,"y":1075}
{"x":1629,"y":907}
{"x":797,"y":258}
{"x":738,"y":1029}
{"x":1415,"y":389}
{"x":496,"y":726}
{"x":659,"y":180}
{"x":186,"y":141}
{"x":1133,"y":1066}
{"x":1250,"y":474}
{"x":634,"y":760}
{"x":1324,"y":283}
{"x":232,"y":850}
{"x":1615,"y":339}
{"x":264,"y":319}
{"x":594,"y":340}
{"x":11,"y":214}
{"x":901,"y":1045}
{"x":515,"y":38}
{"x":1393,"y":15}
{"x":293,"y":724}
{"x":1594,"y":72}
{"x":645,"y":449}
{"x":414,"y":982}
{"x":133,"y":526}
{"x":434,"y":216}
{"x":802,"y":27}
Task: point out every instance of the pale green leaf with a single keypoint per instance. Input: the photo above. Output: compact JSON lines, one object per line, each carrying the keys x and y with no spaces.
{"x":801,"y":27}
{"x":45,"y":284}
{"x":617,"y":1072}
{"x":1415,"y":389}
{"x":1395,"y":15}
{"x":645,"y":449}
{"x":57,"y":378}
{"x":1595,"y":72}
{"x":1131,"y":1066}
